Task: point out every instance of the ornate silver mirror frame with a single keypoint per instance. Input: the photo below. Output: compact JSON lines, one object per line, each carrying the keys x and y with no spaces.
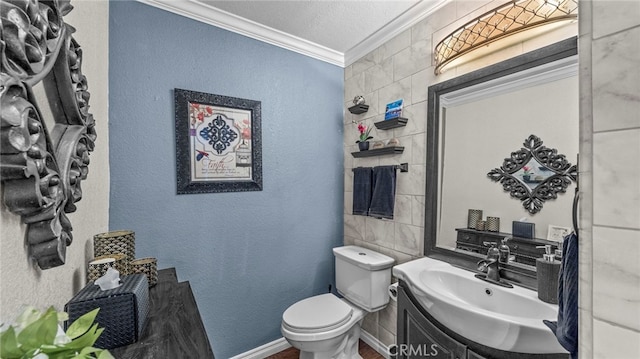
{"x":43,"y":160}
{"x":534,"y":174}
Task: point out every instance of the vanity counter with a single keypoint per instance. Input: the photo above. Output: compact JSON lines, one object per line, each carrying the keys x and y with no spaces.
{"x":174,"y":328}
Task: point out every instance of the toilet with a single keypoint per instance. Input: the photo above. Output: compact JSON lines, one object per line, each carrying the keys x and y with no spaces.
{"x":328,"y":327}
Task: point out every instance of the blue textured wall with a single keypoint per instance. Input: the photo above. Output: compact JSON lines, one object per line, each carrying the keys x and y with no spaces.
{"x":247,"y":255}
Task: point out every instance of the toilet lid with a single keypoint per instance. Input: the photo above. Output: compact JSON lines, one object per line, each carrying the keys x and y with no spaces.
{"x":319,"y":312}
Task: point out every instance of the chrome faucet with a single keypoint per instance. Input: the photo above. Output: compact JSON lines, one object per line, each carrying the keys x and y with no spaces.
{"x":491,"y":266}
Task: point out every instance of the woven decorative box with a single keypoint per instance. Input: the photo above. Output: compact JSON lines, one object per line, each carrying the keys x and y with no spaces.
{"x":123,"y":310}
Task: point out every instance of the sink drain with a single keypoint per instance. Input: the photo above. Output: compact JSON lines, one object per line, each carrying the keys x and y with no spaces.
{"x":488,"y":291}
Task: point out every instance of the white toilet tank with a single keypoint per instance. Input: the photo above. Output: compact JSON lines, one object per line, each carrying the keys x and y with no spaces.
{"x":363,"y":276}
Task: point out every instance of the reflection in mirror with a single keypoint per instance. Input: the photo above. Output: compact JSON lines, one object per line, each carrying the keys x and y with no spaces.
{"x":479,"y":117}
{"x":534,"y":174}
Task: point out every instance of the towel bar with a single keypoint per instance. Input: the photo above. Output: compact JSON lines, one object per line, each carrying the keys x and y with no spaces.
{"x":403,"y":167}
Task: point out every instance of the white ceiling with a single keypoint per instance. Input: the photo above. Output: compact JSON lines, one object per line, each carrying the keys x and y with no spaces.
{"x":338,"y":32}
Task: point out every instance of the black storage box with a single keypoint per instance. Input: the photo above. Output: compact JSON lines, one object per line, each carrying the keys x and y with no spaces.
{"x":123,"y":310}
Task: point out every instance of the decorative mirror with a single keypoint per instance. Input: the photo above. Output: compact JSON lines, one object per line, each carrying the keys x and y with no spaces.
{"x":46,"y":129}
{"x":476,"y":117}
{"x":534,"y":174}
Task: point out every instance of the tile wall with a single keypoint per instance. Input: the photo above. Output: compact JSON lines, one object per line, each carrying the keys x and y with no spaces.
{"x":609,"y":46}
{"x":403,"y":68}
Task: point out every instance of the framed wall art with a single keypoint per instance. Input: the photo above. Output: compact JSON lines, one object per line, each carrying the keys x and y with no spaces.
{"x":218,"y":143}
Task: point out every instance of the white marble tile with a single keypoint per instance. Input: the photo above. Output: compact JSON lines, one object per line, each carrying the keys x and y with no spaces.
{"x":585,"y":334}
{"x":380,"y":231}
{"x":364,"y":63}
{"x":417,"y":123}
{"x":613,"y":342}
{"x":354,"y":226}
{"x":354,"y":86}
{"x":412,"y":59}
{"x":614,"y":16}
{"x":420,"y":83}
{"x":395,"y":45}
{"x":616,"y":81}
{"x":418,"y":144}
{"x":417,"y":211}
{"x":348,"y":180}
{"x":616,"y":276}
{"x":616,"y":179}
{"x":395,"y":91}
{"x":402,"y":209}
{"x":378,"y":76}
{"x":348,"y":203}
{"x":398,"y":256}
{"x":409,"y":239}
{"x":386,"y":337}
{"x":412,"y":182}
{"x":388,"y":317}
{"x":424,"y":29}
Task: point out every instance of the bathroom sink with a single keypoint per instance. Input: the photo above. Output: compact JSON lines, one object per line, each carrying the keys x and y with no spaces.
{"x":508,"y":319}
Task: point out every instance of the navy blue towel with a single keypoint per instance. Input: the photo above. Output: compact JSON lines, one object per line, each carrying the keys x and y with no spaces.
{"x":566,"y":328}
{"x":384,"y":192}
{"x":361,"y":190}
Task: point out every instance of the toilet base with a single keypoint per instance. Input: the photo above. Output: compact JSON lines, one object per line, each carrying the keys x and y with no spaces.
{"x":344,"y":346}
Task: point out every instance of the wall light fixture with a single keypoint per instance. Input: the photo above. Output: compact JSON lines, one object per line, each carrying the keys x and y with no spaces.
{"x":515,"y":17}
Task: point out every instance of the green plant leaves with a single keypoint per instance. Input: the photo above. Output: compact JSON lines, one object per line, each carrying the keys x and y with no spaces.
{"x":82,"y":324}
{"x":39,"y":332}
{"x":9,"y":344}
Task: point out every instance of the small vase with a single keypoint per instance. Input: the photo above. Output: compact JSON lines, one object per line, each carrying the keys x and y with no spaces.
{"x":363,"y":146}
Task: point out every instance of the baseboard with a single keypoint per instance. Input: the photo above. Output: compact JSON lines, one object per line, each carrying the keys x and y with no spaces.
{"x":281,"y":344}
{"x":374,"y":343}
{"x":265,"y":350}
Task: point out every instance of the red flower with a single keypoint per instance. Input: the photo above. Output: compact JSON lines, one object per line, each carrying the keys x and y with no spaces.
{"x":209,"y":110}
{"x":201,"y":116}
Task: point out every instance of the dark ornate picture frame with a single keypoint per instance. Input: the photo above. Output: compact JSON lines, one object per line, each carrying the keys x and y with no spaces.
{"x":218,"y":143}
{"x":556,"y":174}
{"x":46,"y":131}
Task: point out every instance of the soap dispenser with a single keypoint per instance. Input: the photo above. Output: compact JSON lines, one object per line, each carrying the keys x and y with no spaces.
{"x":505,"y":251}
{"x":548,"y":272}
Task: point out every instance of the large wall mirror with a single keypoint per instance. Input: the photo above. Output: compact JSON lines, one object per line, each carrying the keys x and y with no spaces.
{"x":46,"y":129}
{"x":474,"y":122}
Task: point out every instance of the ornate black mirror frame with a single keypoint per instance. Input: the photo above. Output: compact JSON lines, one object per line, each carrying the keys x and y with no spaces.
{"x":42,"y":163}
{"x":548,"y":188}
{"x":522,"y":274}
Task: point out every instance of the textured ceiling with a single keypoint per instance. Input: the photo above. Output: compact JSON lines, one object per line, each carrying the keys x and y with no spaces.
{"x":337,"y":25}
{"x":338,"y":32}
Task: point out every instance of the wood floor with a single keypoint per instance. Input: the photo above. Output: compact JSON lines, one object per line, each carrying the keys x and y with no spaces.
{"x":365,"y":351}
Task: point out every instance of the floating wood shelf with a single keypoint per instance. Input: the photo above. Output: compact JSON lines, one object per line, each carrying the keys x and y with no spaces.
{"x":379,"y":152}
{"x":389,"y":124}
{"x":358,"y":109}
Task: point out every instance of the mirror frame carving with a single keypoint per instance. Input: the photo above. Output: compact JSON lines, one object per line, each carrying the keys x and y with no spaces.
{"x":520,"y":274}
{"x":41,"y":168}
{"x":533,"y":198}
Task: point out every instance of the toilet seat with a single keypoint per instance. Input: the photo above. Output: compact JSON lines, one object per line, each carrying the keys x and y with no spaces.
{"x":317,"y":314}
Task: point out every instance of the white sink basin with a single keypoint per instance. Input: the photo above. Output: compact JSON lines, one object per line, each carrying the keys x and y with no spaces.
{"x":507,"y":319}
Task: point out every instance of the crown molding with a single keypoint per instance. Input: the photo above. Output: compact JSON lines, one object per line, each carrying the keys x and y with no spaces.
{"x":403,"y":22}
{"x":208,"y":14}
{"x":213,"y":16}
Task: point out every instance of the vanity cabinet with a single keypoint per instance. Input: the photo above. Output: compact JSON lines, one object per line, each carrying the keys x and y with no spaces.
{"x":524,"y":249}
{"x":421,"y":336}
